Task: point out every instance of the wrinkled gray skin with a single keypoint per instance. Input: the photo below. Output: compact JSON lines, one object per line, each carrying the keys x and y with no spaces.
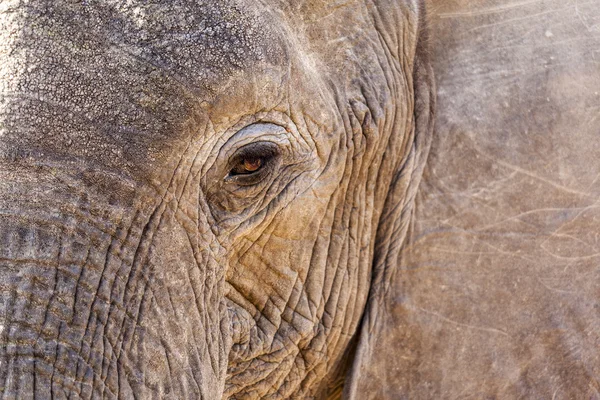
{"x":132,"y":265}
{"x":497,"y":290}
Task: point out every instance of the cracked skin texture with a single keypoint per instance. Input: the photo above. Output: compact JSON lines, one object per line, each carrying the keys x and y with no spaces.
{"x":133,"y":262}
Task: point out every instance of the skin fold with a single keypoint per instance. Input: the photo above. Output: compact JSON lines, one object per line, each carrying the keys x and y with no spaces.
{"x":138,"y":259}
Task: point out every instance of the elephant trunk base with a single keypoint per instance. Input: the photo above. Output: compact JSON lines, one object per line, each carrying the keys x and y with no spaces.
{"x":50,"y":332}
{"x":84,"y":314}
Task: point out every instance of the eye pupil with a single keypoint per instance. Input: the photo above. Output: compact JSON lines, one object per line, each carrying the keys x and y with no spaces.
{"x":252,"y":164}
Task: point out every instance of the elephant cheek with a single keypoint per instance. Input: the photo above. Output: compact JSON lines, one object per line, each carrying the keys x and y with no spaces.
{"x":183,"y":335}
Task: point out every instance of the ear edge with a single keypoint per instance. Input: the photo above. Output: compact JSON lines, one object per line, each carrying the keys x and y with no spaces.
{"x":396,"y":217}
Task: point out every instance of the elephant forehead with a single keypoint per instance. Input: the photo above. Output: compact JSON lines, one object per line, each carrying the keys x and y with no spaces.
{"x":106,"y":77}
{"x":202,"y":42}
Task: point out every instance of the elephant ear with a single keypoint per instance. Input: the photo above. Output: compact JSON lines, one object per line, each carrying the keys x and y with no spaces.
{"x":372,"y":374}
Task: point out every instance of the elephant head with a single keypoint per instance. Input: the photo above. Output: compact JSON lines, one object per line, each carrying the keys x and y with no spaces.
{"x":203,"y":199}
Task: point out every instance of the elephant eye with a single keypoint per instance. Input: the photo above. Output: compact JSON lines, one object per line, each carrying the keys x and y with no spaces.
{"x":248,"y":165}
{"x":252,"y":163}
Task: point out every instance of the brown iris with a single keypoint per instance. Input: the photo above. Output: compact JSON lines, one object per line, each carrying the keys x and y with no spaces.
{"x":252,"y":164}
{"x":247,"y":166}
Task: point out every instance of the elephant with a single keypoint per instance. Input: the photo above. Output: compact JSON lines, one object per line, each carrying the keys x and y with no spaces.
{"x":201,"y":199}
{"x":269,"y":200}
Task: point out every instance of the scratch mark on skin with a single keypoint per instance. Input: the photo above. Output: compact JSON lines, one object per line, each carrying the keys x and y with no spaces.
{"x":556,"y":233}
{"x":452,"y":251}
{"x":574,"y":238}
{"x":482,"y":253}
{"x":333,"y":9}
{"x":533,"y":175}
{"x":475,"y":327}
{"x":493,"y":10}
{"x":590,"y":28}
{"x":518,"y":217}
{"x":553,"y":44}
{"x":511,"y":20}
{"x":574,"y":258}
{"x":555,"y":289}
{"x":509,"y":253}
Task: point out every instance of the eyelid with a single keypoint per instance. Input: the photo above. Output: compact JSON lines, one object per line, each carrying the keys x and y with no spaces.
{"x":260,"y":149}
{"x":260,"y":129}
{"x":257,"y":132}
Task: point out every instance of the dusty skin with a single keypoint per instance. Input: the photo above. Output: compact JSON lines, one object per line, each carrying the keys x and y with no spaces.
{"x":496,"y":294}
{"x":246,"y":200}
